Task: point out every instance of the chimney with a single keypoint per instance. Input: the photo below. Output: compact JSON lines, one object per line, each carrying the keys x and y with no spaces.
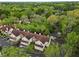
{"x":4,"y":25}
{"x":24,"y":30}
{"x":39,"y":33}
{"x":34,"y":32}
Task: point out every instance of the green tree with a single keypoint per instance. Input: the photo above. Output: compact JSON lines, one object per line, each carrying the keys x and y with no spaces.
{"x":53,"y":51}
{"x":29,"y":49}
{"x":70,"y":47}
{"x":9,"y":20}
{"x":53,"y":19}
{"x":13,"y":52}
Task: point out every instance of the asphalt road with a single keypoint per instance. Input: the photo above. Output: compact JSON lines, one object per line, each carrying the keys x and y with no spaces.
{"x":4,"y":42}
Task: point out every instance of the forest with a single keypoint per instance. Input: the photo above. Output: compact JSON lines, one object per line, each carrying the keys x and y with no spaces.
{"x":47,"y":18}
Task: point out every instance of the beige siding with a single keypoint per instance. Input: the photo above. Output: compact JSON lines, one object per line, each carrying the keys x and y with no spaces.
{"x":12,"y":35}
{"x":39,"y":48}
{"x":24,"y":43}
{"x":13,"y":40}
{"x":39,"y":43}
{"x":10,"y":31}
{"x":18,"y":38}
{"x":25,"y":39}
{"x":46,"y":44}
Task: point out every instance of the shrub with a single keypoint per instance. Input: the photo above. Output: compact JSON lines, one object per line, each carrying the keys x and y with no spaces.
{"x":13,"y":52}
{"x":53,"y":50}
{"x":53,"y":19}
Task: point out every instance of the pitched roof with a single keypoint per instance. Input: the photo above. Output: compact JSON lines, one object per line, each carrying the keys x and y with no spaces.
{"x":27,"y":34}
{"x":41,"y":38}
{"x":16,"y":32}
{"x":4,"y":28}
{"x":38,"y":37}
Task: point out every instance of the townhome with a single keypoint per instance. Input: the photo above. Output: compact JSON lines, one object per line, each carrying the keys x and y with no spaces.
{"x":26,"y":39}
{"x":15,"y":36}
{"x":40,"y":41}
{"x":9,"y":29}
{"x":6,"y":29}
{"x":2,"y":28}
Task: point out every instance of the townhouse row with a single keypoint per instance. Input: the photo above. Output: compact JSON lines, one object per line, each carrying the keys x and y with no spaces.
{"x":25,"y":38}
